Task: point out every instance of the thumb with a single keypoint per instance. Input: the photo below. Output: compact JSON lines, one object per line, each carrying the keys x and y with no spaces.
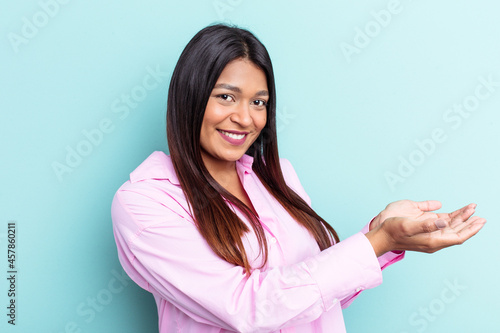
{"x":440,"y":223}
{"x":414,"y":227}
{"x":428,"y":205}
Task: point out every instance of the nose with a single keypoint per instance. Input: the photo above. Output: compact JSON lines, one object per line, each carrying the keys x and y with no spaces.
{"x":242,"y":115}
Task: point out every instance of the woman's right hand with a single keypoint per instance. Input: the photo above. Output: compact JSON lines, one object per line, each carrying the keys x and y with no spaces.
{"x":429,"y":235}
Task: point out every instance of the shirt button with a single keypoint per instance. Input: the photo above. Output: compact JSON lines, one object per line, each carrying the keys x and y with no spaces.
{"x":358,"y":289}
{"x":334,"y":301}
{"x":273,"y":240}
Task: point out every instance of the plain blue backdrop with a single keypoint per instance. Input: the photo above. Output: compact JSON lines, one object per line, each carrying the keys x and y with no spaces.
{"x":377,"y":101}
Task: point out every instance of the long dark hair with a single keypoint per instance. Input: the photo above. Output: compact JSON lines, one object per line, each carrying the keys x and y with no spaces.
{"x":193,"y":79}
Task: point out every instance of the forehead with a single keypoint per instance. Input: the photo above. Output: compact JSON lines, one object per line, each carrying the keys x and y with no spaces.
{"x":243,"y":73}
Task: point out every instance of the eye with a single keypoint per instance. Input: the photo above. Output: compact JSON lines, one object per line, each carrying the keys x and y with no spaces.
{"x":225,"y":97}
{"x":260,"y":103}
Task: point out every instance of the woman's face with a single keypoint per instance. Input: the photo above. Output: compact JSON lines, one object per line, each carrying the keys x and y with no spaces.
{"x":236,"y":112}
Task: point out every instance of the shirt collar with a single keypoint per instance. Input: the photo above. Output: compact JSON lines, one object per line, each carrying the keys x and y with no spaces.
{"x":159,"y":166}
{"x":245,"y":163}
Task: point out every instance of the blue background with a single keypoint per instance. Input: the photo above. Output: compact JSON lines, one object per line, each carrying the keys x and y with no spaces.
{"x":361,"y":88}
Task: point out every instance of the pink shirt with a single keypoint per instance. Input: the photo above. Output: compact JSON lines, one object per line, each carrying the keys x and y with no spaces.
{"x":300,"y":290}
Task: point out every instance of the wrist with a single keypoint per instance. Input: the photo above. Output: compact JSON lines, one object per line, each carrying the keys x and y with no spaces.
{"x":374,"y":223}
{"x":378,"y":240}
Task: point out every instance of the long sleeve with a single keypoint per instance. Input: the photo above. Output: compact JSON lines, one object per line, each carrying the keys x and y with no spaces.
{"x":301,"y":289}
{"x":385,"y":260}
{"x":165,"y":253}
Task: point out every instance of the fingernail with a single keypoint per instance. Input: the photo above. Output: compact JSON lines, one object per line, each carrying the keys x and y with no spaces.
{"x":440,"y":224}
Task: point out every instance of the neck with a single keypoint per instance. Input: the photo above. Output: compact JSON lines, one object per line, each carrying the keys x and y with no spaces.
{"x":223,"y":172}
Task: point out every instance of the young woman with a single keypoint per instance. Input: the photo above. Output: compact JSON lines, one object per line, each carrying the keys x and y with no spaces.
{"x":222,"y":233}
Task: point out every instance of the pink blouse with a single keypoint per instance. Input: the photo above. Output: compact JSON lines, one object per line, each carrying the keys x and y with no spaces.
{"x":301,"y":289}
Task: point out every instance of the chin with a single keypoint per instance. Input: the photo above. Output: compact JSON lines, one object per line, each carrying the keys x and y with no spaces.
{"x":232,"y":157}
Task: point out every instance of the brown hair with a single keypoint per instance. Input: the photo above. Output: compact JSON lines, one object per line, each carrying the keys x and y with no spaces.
{"x":193,"y":79}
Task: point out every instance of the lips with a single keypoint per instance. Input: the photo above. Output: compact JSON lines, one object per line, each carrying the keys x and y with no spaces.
{"x":233,"y":137}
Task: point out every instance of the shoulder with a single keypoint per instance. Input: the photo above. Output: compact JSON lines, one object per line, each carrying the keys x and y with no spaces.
{"x":153,"y":181}
{"x":151,"y":196}
{"x":158,"y":165}
{"x":289,"y":173}
{"x":286,"y":167}
{"x":292,"y":179}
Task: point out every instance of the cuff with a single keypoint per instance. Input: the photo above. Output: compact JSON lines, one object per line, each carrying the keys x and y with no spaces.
{"x":345,"y":268}
{"x":388,"y":258}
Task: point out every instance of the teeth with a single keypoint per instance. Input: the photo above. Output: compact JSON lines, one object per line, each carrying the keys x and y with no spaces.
{"x":234,"y":136}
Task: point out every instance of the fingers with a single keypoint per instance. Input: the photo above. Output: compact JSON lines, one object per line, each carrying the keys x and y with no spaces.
{"x":463,"y":209}
{"x":457,"y":228}
{"x":470,"y":230}
{"x":412,"y":227}
{"x":473,"y":228}
{"x":462,"y":215}
{"x":432,"y":234}
{"x":432,"y":225}
{"x":456,"y":236}
{"x":428,"y":205}
{"x":459,"y":215}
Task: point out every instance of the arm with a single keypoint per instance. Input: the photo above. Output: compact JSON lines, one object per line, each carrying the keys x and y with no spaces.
{"x":421,"y":232}
{"x":163,"y":252}
{"x":384,"y":260}
{"x":409,"y":226}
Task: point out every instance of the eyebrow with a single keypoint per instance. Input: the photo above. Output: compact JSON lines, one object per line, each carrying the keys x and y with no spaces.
{"x":238,"y":90}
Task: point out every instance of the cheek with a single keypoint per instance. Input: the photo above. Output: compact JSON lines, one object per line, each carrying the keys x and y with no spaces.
{"x":260,"y":121}
{"x":214,"y":113}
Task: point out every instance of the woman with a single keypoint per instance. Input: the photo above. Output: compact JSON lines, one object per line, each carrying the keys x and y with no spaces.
{"x":222,"y":233}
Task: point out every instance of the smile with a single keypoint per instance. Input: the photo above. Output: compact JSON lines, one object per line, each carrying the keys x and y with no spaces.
{"x":233,"y":135}
{"x":236,"y":139}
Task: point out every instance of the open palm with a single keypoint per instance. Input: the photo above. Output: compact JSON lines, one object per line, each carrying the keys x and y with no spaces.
{"x":413,"y":226}
{"x":420,"y":211}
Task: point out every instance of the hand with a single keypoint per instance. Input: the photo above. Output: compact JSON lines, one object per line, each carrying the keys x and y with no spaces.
{"x":417,"y":210}
{"x":425,"y":234}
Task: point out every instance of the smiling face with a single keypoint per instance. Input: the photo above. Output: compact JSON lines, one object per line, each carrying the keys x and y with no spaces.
{"x":235,"y":115}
